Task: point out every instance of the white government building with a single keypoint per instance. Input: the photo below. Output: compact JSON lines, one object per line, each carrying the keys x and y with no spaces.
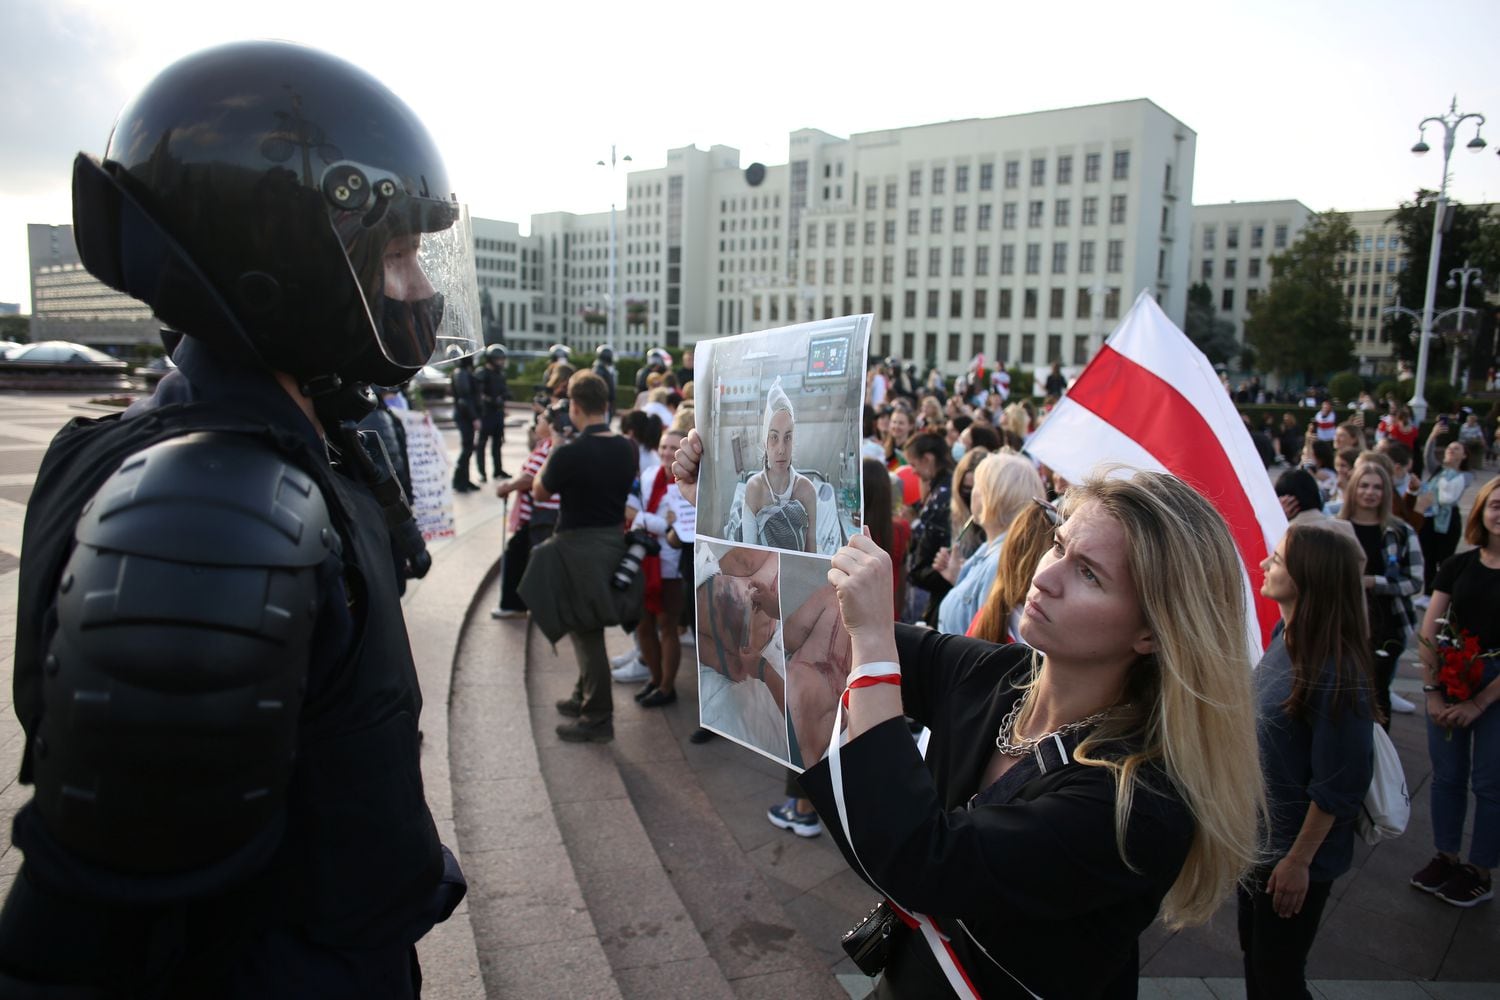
{"x":1022,"y":238}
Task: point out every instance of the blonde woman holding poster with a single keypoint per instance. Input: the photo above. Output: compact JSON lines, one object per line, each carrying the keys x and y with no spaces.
{"x":781,"y":505}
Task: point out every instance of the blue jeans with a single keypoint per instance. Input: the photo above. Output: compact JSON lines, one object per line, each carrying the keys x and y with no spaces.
{"x":1471,"y":756}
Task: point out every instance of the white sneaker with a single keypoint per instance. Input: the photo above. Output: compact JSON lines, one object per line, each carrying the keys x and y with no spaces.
{"x":625,"y":659}
{"x":1401,"y":705}
{"x":630,"y":673}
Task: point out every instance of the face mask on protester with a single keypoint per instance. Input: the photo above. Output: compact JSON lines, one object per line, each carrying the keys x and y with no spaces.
{"x":957,"y":448}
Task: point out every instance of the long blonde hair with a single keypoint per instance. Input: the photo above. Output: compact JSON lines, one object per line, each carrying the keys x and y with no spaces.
{"x":1188,"y":707}
{"x":1003,"y":484}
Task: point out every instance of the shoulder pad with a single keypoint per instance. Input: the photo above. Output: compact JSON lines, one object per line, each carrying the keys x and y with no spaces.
{"x":211,"y":498}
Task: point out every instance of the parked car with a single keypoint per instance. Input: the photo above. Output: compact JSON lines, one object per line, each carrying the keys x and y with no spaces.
{"x":58,"y":364}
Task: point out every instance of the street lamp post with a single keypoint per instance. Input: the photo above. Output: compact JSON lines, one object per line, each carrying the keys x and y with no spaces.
{"x":614,"y":256}
{"x":1461,"y":278}
{"x":1096,"y":338}
{"x":1450,"y":123}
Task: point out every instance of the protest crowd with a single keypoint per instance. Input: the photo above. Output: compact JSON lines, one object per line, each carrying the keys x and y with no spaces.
{"x":1048,"y":709}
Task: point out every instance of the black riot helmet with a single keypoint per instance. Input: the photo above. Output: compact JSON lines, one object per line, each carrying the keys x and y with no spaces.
{"x":605,"y":354}
{"x":286,"y":208}
{"x":495,"y":353}
{"x":558,"y":352}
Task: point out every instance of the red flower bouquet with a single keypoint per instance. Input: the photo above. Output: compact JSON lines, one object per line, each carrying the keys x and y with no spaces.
{"x":1460,"y":662}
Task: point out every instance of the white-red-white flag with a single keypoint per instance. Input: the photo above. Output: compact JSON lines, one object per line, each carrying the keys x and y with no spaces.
{"x":1151,"y":400}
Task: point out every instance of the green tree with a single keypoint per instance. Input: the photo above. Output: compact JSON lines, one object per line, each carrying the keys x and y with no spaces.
{"x":1472,"y":235}
{"x":1212,"y":335}
{"x":1301,"y":324}
{"x":17,"y":328}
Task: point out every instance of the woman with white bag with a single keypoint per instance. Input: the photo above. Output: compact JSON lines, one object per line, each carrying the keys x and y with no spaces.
{"x":1315,"y":699}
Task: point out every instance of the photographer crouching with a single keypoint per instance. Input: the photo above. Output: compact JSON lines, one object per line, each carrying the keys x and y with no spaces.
{"x":568,"y":583}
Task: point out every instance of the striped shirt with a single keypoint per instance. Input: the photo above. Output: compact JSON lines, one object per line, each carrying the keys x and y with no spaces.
{"x":531,"y":468}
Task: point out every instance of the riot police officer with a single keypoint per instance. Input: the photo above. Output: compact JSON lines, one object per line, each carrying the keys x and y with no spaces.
{"x":466,"y":410}
{"x":658,"y":359}
{"x":211,"y":667}
{"x":493,"y":393}
{"x":604,"y":367}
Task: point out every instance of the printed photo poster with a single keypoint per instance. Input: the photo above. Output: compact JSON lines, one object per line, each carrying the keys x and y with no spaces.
{"x":779,"y":492}
{"x":431,"y":475}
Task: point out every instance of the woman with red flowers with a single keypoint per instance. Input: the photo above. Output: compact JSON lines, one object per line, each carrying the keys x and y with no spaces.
{"x":1461,"y":655}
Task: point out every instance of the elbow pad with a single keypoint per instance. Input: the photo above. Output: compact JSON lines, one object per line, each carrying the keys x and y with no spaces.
{"x":174,"y":678}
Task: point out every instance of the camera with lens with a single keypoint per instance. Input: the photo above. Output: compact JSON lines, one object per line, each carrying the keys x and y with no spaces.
{"x":639,"y":544}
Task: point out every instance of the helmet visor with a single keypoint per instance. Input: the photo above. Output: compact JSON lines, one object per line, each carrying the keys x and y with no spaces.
{"x":413,"y":259}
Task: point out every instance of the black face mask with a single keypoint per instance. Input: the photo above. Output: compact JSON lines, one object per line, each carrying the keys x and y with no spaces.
{"x":408,"y":330}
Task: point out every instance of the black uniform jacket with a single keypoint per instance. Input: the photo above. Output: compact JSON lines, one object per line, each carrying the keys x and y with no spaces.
{"x":1030,"y":866}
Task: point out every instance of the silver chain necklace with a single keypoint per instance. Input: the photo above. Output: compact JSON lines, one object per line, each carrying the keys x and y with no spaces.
{"x":1027,"y":746}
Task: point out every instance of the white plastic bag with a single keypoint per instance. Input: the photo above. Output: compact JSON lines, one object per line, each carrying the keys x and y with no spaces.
{"x":1387,"y":805}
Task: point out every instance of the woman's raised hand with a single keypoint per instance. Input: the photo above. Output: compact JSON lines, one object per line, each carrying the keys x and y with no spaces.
{"x":861,"y":576}
{"x":685,"y":465}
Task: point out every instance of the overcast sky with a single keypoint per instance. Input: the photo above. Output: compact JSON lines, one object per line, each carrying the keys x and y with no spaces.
{"x":1290,"y":99}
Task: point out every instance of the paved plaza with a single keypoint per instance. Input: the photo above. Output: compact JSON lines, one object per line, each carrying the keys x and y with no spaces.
{"x":646,"y":868}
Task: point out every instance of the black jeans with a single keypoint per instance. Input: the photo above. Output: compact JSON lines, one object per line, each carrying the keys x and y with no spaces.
{"x":1276,"y":947}
{"x":465,"y":425}
{"x":513,"y":564}
{"x":1386,"y":646}
{"x":491,"y":432}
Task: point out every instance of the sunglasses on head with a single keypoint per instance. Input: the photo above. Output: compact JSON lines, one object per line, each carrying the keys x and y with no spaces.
{"x":1051,"y":513}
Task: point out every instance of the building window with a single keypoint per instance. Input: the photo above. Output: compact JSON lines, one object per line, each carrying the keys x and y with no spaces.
{"x":866,"y":304}
{"x":890,"y":231}
{"x":1253,"y":270}
{"x":911,"y":262}
{"x":960,"y":179}
{"x":1008,"y":215}
{"x":1080,"y":349}
{"x":909,"y":307}
{"x":887,"y":269}
{"x":932,"y":303}
{"x":934,"y":262}
{"x":1257,"y":237}
{"x":831,"y":235}
{"x":986,"y":213}
{"x":870,"y":233}
{"x":1059,"y":258}
{"x":913,"y":222}
{"x":849,"y":228}
{"x":1122,"y":164}
{"x":828,"y":270}
{"x":1038,"y":172}
{"x":1060,"y":211}
{"x":1090,"y":214}
{"x":1028,"y":304}
{"x":1112,"y":304}
{"x":1114,"y":261}
{"x":1065,"y":170}
{"x":956,"y":266}
{"x":1006,"y":301}
{"x":1033,"y":258}
{"x":812,"y":236}
{"x":1056,"y":303}
{"x":812,"y":271}
{"x":937,"y":220}
{"x":1034,"y":214}
{"x":981,"y":305}
{"x":872,"y":197}
{"x":1085,"y":304}
{"x":1231,"y":237}
{"x":1208,"y":270}
{"x":1226,"y":304}
{"x":986,"y":176}
{"x":955,"y":311}
{"x":848,"y":270}
{"x":1086,"y":257}
{"x":1054,"y":348}
{"x":960,"y":218}
{"x":1012,"y":173}
{"x":1116,"y":209}
{"x":867,"y":272}
{"x":885,"y":307}
{"x":1090,"y":168}
{"x":982,"y":261}
{"x":953,"y":346}
{"x":908,"y":344}
{"x":1008,"y":259}
{"x":914,"y":185}
{"x":1210,"y":236}
{"x":1279,"y":240}
{"x":1028,"y":348}
{"x":890,"y":194}
{"x":1231,"y":268}
{"x":939,"y":180}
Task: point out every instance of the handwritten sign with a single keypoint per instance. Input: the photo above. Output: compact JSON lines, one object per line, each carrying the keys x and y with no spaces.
{"x":431,"y":475}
